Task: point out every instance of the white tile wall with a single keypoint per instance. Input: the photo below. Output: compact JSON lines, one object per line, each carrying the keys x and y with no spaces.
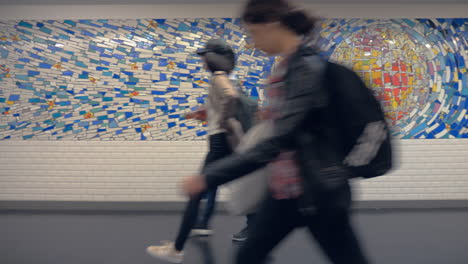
{"x":425,"y":170}
{"x":96,"y":171}
{"x":151,"y":171}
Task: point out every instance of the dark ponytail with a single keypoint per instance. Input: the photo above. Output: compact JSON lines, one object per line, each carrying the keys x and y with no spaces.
{"x":267,"y":11}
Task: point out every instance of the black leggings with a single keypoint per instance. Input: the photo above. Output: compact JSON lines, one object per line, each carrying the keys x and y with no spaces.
{"x":218,"y":148}
{"x":277,"y":218}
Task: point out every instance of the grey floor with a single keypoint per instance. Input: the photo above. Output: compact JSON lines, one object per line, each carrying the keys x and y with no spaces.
{"x":390,"y":237}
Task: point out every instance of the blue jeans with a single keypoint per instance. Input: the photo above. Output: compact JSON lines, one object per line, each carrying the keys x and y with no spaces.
{"x":219,"y":148}
{"x":210,"y":197}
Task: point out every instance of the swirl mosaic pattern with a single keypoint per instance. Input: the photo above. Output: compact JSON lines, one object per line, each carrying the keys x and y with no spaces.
{"x":134,"y":79}
{"x":111,"y":79}
{"x":417,"y":68}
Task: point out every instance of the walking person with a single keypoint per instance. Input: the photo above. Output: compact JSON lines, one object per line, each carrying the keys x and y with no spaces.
{"x":224,"y":132}
{"x":309,"y":181}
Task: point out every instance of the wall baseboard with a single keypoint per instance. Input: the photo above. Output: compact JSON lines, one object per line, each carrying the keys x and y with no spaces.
{"x":63,"y":206}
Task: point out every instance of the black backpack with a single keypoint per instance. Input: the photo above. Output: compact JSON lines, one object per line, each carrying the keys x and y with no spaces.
{"x":245,"y":111}
{"x":364,"y":137}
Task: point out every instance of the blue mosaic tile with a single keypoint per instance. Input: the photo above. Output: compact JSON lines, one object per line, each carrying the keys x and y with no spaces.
{"x":135,"y":79}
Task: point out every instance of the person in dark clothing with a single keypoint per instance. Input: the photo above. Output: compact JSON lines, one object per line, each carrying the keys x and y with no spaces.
{"x":309,"y":185}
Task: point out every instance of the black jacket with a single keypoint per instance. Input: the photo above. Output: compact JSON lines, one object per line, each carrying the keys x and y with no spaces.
{"x":304,"y":126}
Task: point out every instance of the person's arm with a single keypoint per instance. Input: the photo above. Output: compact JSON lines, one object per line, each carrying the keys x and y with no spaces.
{"x":227,"y":95}
{"x":304,"y":95}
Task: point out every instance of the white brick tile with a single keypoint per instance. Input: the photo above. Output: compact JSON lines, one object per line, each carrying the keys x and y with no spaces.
{"x":152,"y":171}
{"x":94,"y":185}
{"x":33,"y":197}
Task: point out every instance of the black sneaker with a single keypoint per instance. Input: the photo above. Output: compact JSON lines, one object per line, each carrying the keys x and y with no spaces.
{"x":201,"y":230}
{"x":241,"y":236}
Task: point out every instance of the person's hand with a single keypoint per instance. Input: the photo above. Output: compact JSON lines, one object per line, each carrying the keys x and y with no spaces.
{"x":199,"y":114}
{"x":194,"y":185}
{"x":190,"y":115}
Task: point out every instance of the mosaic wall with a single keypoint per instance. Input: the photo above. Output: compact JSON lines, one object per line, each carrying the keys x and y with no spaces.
{"x":417,"y":68}
{"x":112,"y":79}
{"x":134,"y":79}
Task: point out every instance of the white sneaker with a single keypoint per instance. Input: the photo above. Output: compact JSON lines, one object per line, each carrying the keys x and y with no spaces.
{"x":166,"y":252}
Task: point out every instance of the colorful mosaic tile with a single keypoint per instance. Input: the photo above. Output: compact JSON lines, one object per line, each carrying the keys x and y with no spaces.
{"x":416,"y":67}
{"x":112,"y":79}
{"x":135,"y":79}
